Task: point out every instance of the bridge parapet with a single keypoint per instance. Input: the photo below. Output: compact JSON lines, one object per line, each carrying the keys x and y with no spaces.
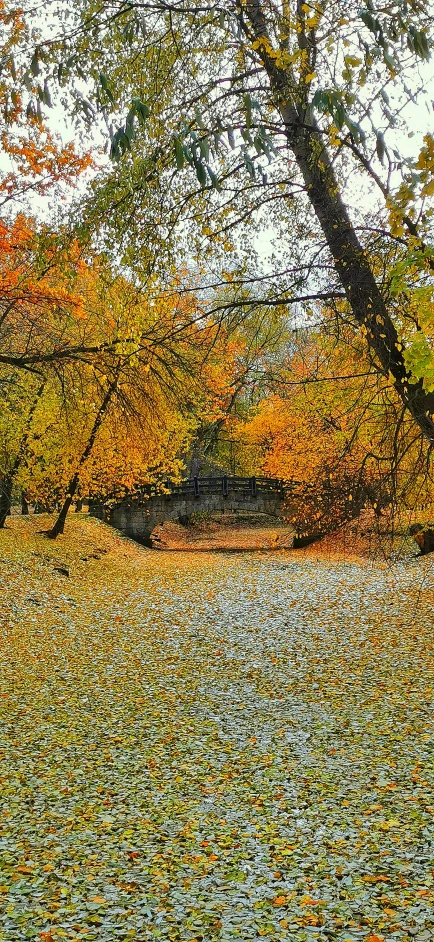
{"x":202,"y":486}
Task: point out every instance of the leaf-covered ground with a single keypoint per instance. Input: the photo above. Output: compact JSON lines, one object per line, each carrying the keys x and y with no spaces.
{"x":223,"y":533}
{"x":213,"y":747}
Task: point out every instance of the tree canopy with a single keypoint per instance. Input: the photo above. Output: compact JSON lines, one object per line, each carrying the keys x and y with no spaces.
{"x":263,"y":160}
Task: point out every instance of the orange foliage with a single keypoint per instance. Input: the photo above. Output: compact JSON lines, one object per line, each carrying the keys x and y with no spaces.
{"x":39,"y":165}
{"x":316,"y":433}
{"x":82,"y":327}
{"x":37,"y":160}
{"x":31,"y":286}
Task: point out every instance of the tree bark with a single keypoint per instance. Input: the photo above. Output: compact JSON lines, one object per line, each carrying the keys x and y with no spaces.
{"x":355,"y":273}
{"x":5,"y":498}
{"x":40,"y":508}
{"x":59,"y":525}
{"x":352,"y":264}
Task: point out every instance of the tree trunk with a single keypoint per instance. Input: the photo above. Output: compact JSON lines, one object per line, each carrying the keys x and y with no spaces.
{"x":40,"y":508}
{"x":78,"y":506}
{"x":5,"y":498}
{"x":352,"y":264}
{"x":24,"y":505}
{"x":355,"y":273}
{"x":59,"y":526}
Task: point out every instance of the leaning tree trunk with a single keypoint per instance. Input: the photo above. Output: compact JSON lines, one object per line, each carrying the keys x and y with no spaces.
{"x":59,"y":526}
{"x":351,"y":262}
{"x":364,"y":296}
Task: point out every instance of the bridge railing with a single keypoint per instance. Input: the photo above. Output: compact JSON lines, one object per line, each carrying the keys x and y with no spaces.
{"x":197,"y":487}
{"x":226,"y":484}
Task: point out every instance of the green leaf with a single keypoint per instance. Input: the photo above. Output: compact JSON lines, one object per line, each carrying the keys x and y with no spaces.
{"x":417,"y":41}
{"x":129,"y":127}
{"x":105,"y":86}
{"x":214,"y":179}
{"x":249,"y":165}
{"x":355,"y":129}
{"x":187,"y":154}
{"x":120,"y":144}
{"x":370,"y":21}
{"x":320,"y":100}
{"x":141,"y":109}
{"x":339,"y":116}
{"x":129,"y":32}
{"x":389,"y":60}
{"x":179,"y":153}
{"x":201,"y":174}
{"x":204,"y":148}
{"x":247,"y":137}
{"x":34,"y":64}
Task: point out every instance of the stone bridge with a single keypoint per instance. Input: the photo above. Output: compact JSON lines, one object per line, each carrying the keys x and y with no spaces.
{"x":138,"y":514}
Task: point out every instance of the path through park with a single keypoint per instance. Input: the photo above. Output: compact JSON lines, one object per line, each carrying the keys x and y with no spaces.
{"x":213,"y":747}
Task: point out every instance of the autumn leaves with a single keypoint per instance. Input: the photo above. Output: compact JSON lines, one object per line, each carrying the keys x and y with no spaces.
{"x":177,"y":764}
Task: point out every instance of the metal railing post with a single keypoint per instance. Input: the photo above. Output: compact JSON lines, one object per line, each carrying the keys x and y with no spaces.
{"x":196,"y":486}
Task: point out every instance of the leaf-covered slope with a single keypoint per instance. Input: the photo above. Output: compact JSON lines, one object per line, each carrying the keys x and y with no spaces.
{"x":201,"y":747}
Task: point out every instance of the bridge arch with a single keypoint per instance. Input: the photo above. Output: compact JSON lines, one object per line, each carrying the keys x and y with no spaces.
{"x":138,"y":514}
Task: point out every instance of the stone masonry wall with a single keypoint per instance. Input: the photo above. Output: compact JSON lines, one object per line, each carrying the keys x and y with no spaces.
{"x":139,"y":518}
